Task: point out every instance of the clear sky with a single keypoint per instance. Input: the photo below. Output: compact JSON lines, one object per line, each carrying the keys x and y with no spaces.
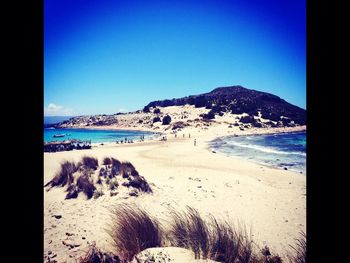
{"x":105,"y":56}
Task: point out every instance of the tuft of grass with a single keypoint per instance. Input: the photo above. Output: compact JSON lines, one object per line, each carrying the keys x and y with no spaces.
{"x":299,"y":250}
{"x":189,"y":230}
{"x":115,"y":162}
{"x":134,"y":230}
{"x":98,"y":193}
{"x":267,"y":257}
{"x":99,"y":181}
{"x":90,"y":162}
{"x":114,"y":172}
{"x":127,"y":168}
{"x":95,"y":255}
{"x":199,"y":233}
{"x":135,"y":173}
{"x":73,"y":191}
{"x":107,"y":161}
{"x":125,"y":174}
{"x":273,"y":259}
{"x":64,"y":176}
{"x":113,"y":184}
{"x":218,"y":241}
{"x":85,"y":185}
{"x":103,"y":172}
{"x":79,"y":166}
{"x":116,"y":167}
{"x":140,"y":183}
{"x":225,"y":242}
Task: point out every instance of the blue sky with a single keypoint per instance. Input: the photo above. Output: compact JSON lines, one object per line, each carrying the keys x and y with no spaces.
{"x":101,"y":57}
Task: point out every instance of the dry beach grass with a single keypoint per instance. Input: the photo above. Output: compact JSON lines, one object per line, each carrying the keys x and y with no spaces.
{"x":134,"y":230}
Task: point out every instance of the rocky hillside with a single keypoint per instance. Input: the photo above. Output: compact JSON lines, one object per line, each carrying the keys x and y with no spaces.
{"x":91,"y":120}
{"x":233,"y":105}
{"x":238,"y":100}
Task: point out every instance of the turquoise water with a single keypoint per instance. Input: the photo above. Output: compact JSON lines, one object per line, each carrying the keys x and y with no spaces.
{"x":96,"y":136}
{"x":287,"y":150}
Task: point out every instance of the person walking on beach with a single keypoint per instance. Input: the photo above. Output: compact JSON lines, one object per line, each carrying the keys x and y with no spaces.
{"x":189,"y":135}
{"x":183,"y":136}
{"x":195,"y":142}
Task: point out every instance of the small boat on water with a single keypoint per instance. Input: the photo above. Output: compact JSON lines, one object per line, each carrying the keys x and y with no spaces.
{"x":59,"y":135}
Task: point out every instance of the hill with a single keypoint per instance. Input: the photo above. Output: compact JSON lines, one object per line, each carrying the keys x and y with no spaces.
{"x":234,"y":105}
{"x":238,"y":100}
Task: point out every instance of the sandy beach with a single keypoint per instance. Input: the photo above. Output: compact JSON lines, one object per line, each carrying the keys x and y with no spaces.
{"x":270,"y":202}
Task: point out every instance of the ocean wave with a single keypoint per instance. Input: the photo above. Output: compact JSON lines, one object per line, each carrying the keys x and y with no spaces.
{"x":280,"y":151}
{"x":263,"y":148}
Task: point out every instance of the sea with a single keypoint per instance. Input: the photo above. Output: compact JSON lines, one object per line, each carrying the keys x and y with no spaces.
{"x":93,"y":135}
{"x":284,"y":150}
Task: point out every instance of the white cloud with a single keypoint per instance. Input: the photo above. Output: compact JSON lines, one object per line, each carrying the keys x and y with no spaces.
{"x":57,"y":110}
{"x":122,"y":110}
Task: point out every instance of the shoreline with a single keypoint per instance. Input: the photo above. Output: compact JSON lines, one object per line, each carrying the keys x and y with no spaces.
{"x":266,"y":132}
{"x":208,"y":139}
{"x":108,"y":128}
{"x":249,"y":132}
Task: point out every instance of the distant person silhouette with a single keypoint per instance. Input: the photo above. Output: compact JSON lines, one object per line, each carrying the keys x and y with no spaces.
{"x":195,"y":142}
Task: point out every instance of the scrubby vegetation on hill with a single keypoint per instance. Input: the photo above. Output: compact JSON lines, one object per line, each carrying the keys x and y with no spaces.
{"x":94,"y":120}
{"x":166,"y":120}
{"x":156,"y":119}
{"x":156,"y":111}
{"x":238,"y":100}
